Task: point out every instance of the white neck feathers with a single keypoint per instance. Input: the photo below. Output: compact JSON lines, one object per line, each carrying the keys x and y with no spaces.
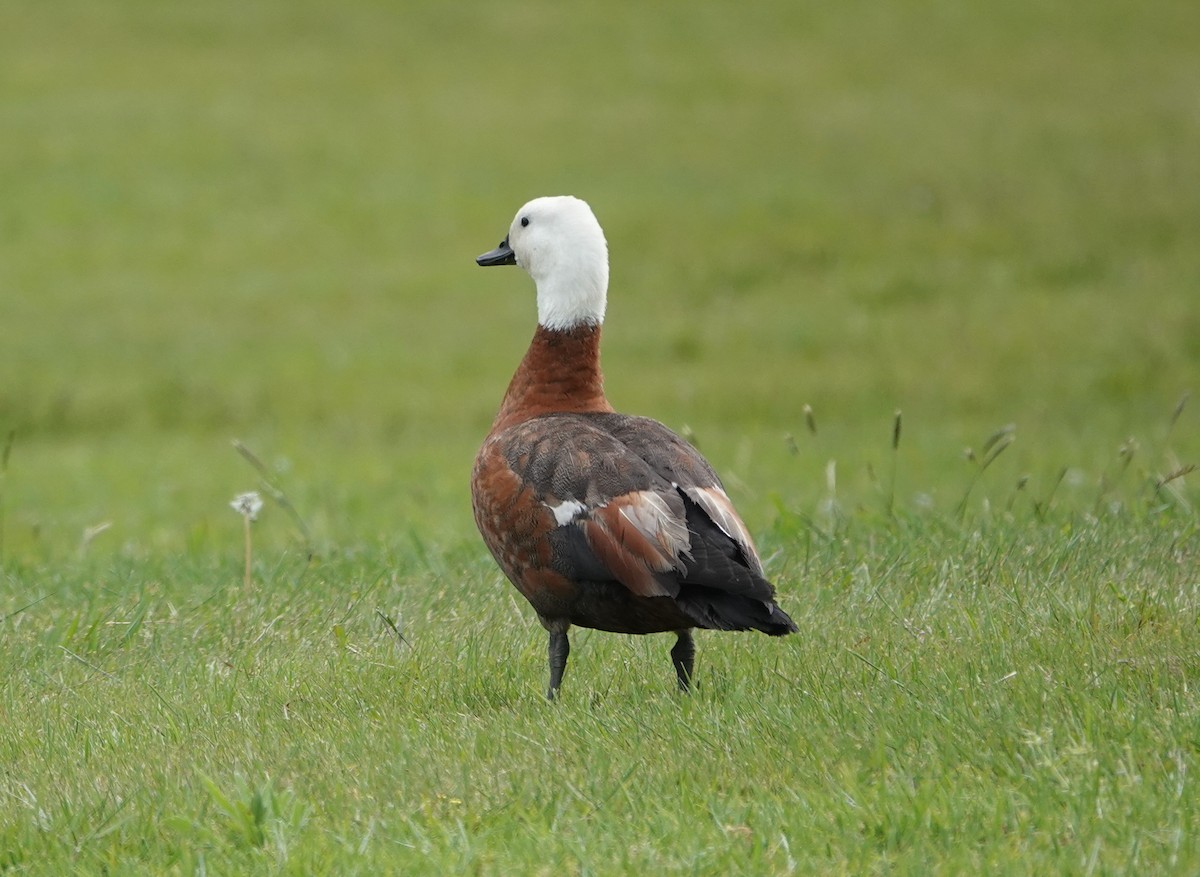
{"x":574,"y":294}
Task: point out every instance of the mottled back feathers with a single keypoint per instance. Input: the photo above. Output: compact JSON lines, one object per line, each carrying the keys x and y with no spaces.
{"x":623,"y":499}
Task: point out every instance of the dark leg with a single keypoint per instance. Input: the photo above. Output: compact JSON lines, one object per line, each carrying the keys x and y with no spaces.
{"x":560,"y":647}
{"x":683,"y":655}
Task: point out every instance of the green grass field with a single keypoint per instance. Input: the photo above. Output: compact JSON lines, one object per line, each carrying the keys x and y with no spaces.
{"x":230,"y":221}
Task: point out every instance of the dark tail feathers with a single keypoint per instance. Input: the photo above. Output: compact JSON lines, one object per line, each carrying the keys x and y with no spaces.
{"x":717,"y":610}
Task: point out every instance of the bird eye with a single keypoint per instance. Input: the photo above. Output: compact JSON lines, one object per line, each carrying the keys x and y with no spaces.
{"x":524,"y":221}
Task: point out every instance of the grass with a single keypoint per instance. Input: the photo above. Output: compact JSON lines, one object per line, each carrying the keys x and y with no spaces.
{"x":1010,"y":697}
{"x":222,"y":222}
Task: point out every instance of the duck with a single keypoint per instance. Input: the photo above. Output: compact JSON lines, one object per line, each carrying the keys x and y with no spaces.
{"x":603,"y":520}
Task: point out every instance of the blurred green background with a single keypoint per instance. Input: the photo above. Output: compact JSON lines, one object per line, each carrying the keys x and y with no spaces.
{"x":258,"y":220}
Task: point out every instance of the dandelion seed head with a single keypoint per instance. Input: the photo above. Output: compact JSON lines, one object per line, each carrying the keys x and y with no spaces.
{"x":248,"y":505}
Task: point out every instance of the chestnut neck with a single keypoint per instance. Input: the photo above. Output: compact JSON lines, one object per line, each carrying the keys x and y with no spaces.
{"x":560,"y":374}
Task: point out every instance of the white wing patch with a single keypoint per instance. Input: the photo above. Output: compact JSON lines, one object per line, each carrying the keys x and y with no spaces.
{"x":565,"y":512}
{"x":651,"y":515}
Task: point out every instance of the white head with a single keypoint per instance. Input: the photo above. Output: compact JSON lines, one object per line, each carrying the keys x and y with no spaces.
{"x":560,"y":243}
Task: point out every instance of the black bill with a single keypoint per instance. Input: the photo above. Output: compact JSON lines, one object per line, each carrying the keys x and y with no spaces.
{"x":502,"y":255}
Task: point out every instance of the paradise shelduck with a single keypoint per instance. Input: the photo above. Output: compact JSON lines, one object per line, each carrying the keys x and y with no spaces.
{"x":600,"y":519}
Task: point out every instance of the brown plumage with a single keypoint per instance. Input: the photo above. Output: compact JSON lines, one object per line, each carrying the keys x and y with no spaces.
{"x":601,"y":519}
